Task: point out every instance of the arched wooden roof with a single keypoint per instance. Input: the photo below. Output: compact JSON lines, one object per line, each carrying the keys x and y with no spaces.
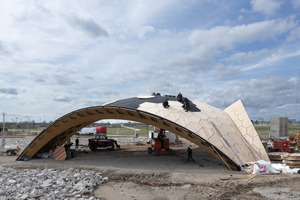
{"x":227,"y":135}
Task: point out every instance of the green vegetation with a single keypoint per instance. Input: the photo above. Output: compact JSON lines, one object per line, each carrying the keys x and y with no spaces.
{"x":263,"y":130}
{"x":128,"y":130}
{"x":293,"y":129}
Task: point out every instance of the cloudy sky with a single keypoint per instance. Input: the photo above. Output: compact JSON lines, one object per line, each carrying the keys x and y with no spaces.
{"x":59,"y":56}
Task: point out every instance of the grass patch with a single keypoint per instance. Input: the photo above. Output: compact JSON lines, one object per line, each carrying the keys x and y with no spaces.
{"x":140,"y":130}
{"x":263,"y":130}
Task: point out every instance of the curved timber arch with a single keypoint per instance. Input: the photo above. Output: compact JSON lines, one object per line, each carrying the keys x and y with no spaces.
{"x":227,"y":135}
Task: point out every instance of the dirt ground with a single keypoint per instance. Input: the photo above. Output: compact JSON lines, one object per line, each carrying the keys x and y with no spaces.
{"x":135,"y":174}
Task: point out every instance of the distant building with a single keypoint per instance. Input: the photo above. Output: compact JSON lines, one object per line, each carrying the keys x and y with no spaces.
{"x":279,"y":127}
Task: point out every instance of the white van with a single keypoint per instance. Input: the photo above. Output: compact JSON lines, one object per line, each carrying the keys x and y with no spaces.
{"x":87,"y":131}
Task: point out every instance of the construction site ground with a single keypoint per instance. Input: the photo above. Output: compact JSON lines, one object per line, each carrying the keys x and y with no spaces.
{"x":135,"y":174}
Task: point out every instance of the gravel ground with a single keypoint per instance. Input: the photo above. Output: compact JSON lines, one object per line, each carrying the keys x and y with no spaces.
{"x":48,"y":183}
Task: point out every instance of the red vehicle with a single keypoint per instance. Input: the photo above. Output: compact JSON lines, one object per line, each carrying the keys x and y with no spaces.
{"x":101,"y":140}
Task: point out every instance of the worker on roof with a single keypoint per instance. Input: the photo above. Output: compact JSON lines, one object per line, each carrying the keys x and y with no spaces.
{"x":166,"y":103}
{"x":179,"y":97}
{"x":186,"y":104}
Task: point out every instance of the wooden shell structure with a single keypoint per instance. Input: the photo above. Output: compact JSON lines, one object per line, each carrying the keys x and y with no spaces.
{"x":226,"y":134}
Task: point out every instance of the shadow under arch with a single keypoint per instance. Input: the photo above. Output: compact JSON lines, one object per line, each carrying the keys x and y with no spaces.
{"x":66,"y":126}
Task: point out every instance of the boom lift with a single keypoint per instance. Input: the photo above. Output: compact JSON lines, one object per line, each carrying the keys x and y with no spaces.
{"x":159,"y":145}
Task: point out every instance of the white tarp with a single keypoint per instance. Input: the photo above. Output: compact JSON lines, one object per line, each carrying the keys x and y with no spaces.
{"x":264,"y":167}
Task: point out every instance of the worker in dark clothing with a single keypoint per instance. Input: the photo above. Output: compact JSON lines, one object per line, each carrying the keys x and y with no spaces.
{"x":179,"y":97}
{"x":190,"y":155}
{"x":161,"y":137}
{"x":166,"y":103}
{"x":76,"y":144}
{"x":186,"y":104}
{"x":93,"y":146}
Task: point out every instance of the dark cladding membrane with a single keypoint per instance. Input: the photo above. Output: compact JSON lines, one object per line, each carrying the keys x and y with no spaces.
{"x":135,"y":102}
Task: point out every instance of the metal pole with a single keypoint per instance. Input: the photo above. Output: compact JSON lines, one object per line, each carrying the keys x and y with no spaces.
{"x":147,"y":132}
{"x":3,"y":131}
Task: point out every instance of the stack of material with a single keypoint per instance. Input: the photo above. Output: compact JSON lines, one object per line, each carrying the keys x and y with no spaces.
{"x":277,"y":156}
{"x":292,"y":160}
{"x":60,"y":153}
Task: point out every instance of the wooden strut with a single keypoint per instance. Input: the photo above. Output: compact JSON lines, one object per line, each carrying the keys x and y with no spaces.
{"x":224,"y":161}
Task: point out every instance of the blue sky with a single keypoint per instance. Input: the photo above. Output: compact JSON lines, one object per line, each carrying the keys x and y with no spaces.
{"x":59,"y":56}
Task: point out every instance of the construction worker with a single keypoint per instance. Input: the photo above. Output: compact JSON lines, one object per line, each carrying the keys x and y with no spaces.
{"x":76,"y":144}
{"x":190,"y":155}
{"x":166,"y":103}
{"x":179,"y":97}
{"x":93,"y":146}
{"x":186,"y":104}
{"x":161,"y":137}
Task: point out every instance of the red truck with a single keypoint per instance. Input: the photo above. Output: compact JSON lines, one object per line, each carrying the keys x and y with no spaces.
{"x":101,"y":140}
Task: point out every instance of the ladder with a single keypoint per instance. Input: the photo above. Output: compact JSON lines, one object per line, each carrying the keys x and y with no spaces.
{"x":240,"y":163}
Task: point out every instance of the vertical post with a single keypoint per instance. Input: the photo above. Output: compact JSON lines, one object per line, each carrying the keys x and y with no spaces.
{"x":3,"y":131}
{"x":147,"y":129}
{"x":14,"y":127}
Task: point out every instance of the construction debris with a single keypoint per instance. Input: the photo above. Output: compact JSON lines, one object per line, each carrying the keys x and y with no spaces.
{"x":292,"y":160}
{"x":264,"y":167}
{"x":48,"y":183}
{"x":277,"y":156}
{"x":60,"y":153}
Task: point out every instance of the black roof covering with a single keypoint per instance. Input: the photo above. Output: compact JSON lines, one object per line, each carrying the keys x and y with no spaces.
{"x":135,"y":102}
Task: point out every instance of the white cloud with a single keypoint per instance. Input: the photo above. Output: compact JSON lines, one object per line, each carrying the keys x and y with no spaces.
{"x":206,"y":45}
{"x":225,"y":72}
{"x":4,"y":51}
{"x":227,"y":37}
{"x":259,"y":95}
{"x":267,"y":7}
{"x":60,"y":56}
{"x":275,"y":58}
{"x":63,"y":98}
{"x":249,"y":57}
{"x":11,"y":91}
{"x":198,"y":59}
{"x":88,"y":25}
{"x":294,"y":35}
{"x":145,"y":30}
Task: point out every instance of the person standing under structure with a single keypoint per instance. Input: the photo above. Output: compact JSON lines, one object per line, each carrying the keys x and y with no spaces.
{"x":76,"y":144}
{"x":190,"y":155}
